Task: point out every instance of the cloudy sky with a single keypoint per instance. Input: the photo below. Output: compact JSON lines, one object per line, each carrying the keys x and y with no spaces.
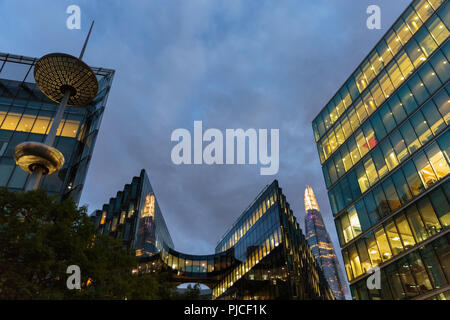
{"x":230,"y":63}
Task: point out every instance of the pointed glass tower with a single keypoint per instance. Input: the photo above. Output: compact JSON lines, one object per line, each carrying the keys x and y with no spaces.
{"x":321,"y":245}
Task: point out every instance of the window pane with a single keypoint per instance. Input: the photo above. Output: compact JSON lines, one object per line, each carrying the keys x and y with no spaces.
{"x":397,"y":109}
{"x":354,"y":152}
{"x":423,"y":9}
{"x":433,"y":117}
{"x":421,"y":127}
{"x":437,"y":160}
{"x":399,"y":146}
{"x":361,"y":142}
{"x":432,"y":264}
{"x":409,"y":137}
{"x":437,"y":29}
{"x":363,"y":181}
{"x":425,"y":170}
{"x":413,"y":179}
{"x":432,"y":225}
{"x":429,"y":77}
{"x":372,"y":249}
{"x":11,"y":121}
{"x":355,"y":261}
{"x":394,"y":238}
{"x":26,"y":123}
{"x":406,"y":277}
{"x":354,"y":221}
{"x":426,"y":42}
{"x":405,"y":231}
{"x":391,"y":194}
{"x":387,"y":117}
{"x":441,"y":66}
{"x":441,"y":206}
{"x":416,"y":223}
{"x":389,"y":155}
{"x":442,"y":101}
{"x":405,"y":64}
{"x":393,"y":277}
{"x":415,"y":53}
{"x":401,"y":186}
{"x":382,"y":242}
{"x":419,"y":271}
{"x":363,"y":254}
{"x":379,"y":162}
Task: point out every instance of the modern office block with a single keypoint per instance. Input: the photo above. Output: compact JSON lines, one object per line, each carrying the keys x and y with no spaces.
{"x":263,"y":255}
{"x":384,"y":146}
{"x":26,"y":114}
{"x":321,"y":246}
{"x":134,"y":217}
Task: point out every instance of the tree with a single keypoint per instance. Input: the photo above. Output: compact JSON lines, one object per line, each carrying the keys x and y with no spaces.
{"x":40,"y":237}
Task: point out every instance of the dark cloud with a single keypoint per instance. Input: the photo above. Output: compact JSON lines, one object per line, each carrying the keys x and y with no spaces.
{"x":231,"y":64}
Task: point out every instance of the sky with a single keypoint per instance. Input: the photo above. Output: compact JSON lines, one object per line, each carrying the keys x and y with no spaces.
{"x":229,"y":63}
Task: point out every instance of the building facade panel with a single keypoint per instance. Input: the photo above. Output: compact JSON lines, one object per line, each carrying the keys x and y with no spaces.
{"x":386,"y":163}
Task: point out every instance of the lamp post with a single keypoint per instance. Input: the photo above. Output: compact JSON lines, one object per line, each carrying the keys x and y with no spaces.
{"x":68,"y":81}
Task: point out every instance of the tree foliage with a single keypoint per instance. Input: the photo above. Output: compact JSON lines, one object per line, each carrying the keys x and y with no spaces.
{"x":40,"y":237}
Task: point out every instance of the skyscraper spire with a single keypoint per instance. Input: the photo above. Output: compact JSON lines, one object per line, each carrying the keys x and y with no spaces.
{"x":310,"y":200}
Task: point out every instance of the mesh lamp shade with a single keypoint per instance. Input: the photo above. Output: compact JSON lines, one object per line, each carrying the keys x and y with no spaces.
{"x":56,"y":73}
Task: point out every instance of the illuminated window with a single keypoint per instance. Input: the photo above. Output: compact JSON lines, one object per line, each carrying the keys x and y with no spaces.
{"x":41,"y":124}
{"x":403,"y":32}
{"x":430,"y":220}
{"x":11,"y":121}
{"x":389,"y":155}
{"x":437,"y":161}
{"x":395,"y":74}
{"x":362,"y":143}
{"x":413,"y":20}
{"x":354,"y":221}
{"x":393,"y":42}
{"x":361,"y":81}
{"x":372,"y":249}
{"x":426,"y":42}
{"x":70,"y":128}
{"x":438,"y":29}
{"x":355,"y":261}
{"x":405,"y":231}
{"x":371,"y":171}
{"x":26,"y":123}
{"x":394,"y":238}
{"x":423,"y":9}
{"x":382,"y":243}
{"x":405,"y":64}
{"x":425,"y":170}
{"x":377,"y":97}
{"x":386,"y":84}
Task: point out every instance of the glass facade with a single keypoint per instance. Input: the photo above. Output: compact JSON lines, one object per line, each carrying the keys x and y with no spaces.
{"x":134,"y":217}
{"x":264,"y":255}
{"x":322,"y":247}
{"x":26,"y":115}
{"x":383,"y":142}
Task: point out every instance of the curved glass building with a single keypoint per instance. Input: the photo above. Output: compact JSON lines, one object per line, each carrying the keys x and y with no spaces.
{"x":321,"y":245}
{"x":263,"y":255}
{"x":384,"y":145}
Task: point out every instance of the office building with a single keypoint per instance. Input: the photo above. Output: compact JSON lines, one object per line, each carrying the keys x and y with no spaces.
{"x":263,"y":255}
{"x":384,"y":146}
